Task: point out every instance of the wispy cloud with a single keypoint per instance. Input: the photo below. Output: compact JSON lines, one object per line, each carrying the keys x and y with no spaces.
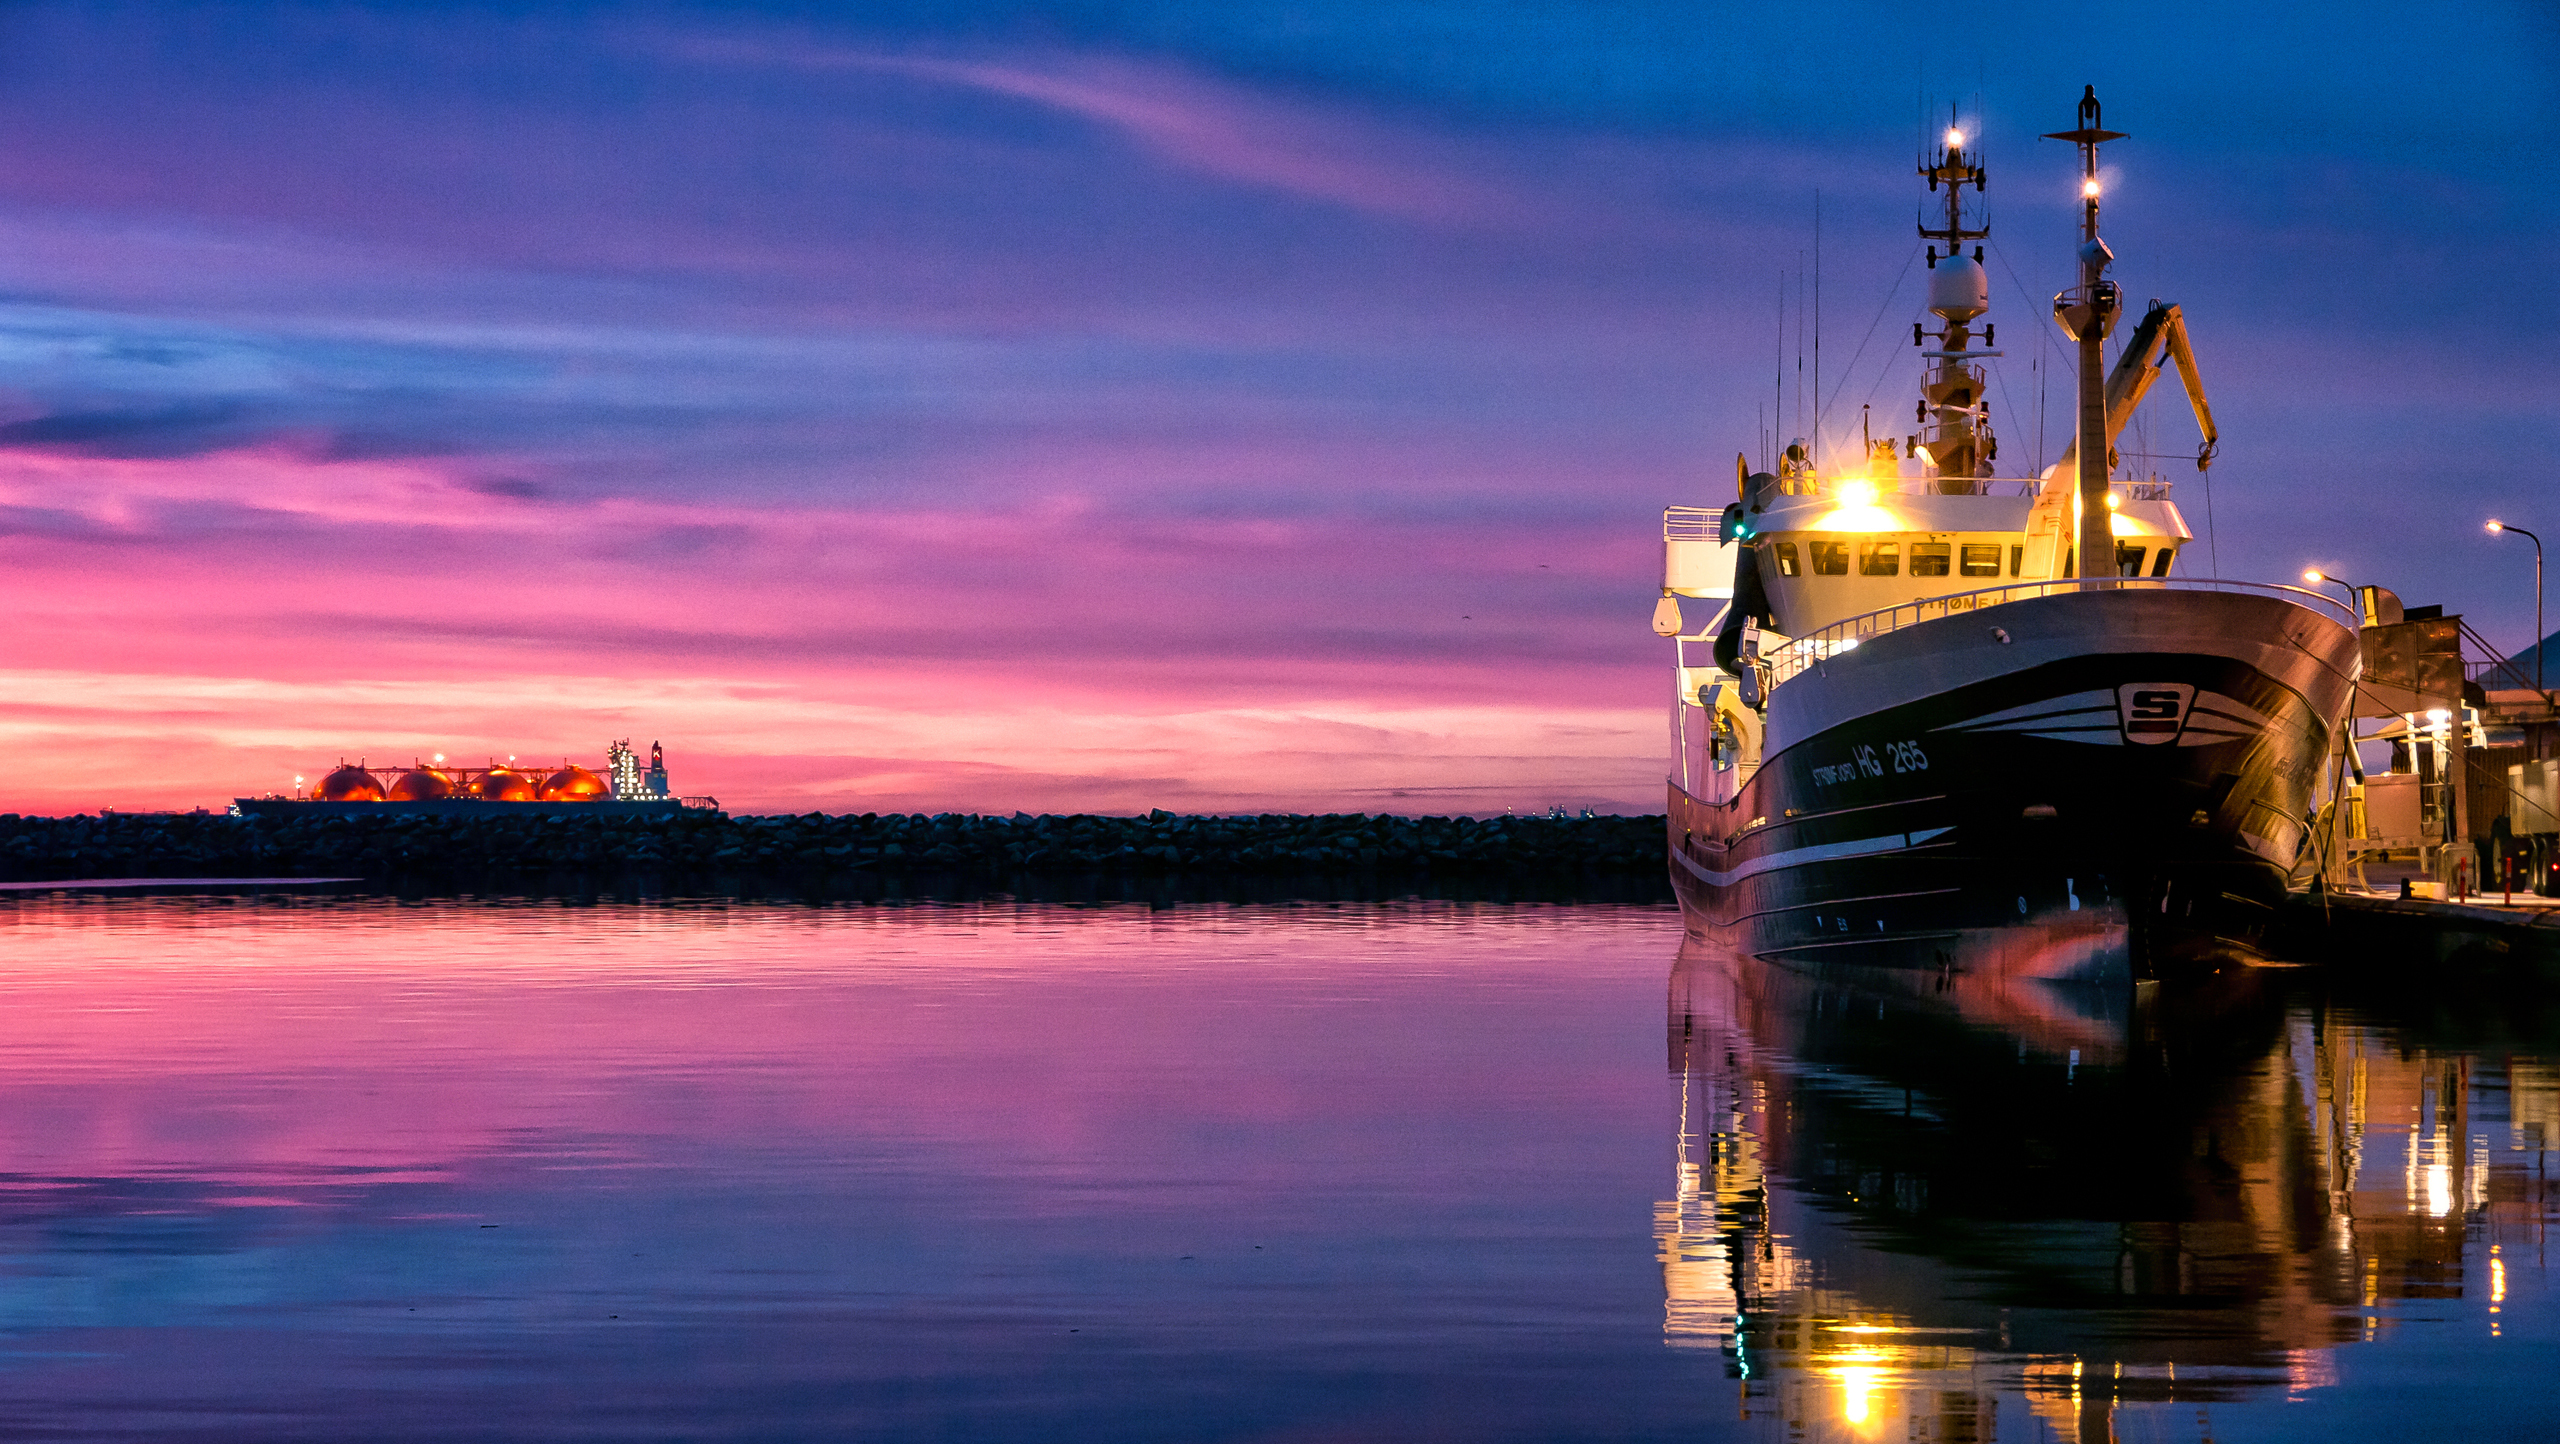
{"x":1197,"y":124}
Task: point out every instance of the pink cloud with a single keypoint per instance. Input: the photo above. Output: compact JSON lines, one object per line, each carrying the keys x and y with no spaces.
{"x":201,"y":628}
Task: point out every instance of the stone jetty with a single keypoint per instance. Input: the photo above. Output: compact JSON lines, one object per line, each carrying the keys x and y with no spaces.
{"x":705,"y":849}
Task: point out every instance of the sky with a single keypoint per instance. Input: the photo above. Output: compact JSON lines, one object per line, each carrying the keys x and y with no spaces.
{"x":1096,"y":407}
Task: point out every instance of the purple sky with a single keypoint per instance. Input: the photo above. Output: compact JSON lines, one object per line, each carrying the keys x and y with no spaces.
{"x":1092,"y":407}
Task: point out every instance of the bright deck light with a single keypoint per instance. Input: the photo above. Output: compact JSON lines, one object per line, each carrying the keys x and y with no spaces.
{"x":2496,"y":526}
{"x":1857,"y":493}
{"x":2314,"y":578}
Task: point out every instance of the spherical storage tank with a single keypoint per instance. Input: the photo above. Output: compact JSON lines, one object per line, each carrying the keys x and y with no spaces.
{"x":498,"y":784}
{"x":421,"y":784}
{"x":349,"y":784}
{"x":574,"y":784}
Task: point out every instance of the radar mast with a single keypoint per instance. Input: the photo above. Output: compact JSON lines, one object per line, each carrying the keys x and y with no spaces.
{"x":1955,"y":441}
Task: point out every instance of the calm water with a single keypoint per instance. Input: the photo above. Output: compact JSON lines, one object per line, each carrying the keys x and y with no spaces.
{"x":341,"y":1168}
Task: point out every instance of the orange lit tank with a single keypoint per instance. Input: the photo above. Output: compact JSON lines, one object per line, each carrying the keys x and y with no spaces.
{"x":498,"y":784}
{"x":574,"y":784}
{"x":421,"y":784}
{"x":349,"y":784}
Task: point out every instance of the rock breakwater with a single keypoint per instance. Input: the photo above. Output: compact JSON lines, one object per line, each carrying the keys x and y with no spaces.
{"x":702,"y":848}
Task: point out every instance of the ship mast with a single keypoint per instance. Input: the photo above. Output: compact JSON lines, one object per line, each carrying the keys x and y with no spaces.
{"x":1958,"y":443}
{"x":2086,"y":314}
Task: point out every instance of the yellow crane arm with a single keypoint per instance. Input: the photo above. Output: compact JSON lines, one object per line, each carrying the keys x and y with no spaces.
{"x":2185,"y":356}
{"x":2163,"y":330}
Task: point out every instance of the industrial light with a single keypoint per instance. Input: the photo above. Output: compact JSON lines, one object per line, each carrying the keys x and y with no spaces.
{"x":2496,"y":526}
{"x":2437,"y":714}
{"x":1955,"y":137}
{"x":2314,"y":578}
{"x":1857,"y":493}
{"x":2114,"y":501}
{"x":2089,"y":188}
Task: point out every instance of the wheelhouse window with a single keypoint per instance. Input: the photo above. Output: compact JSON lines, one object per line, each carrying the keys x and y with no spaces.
{"x":2160,"y":568}
{"x":1879,"y":558}
{"x":1783,"y":557}
{"x":1929,"y":559}
{"x":2017,"y":560}
{"x":1830,"y":558}
{"x":1980,"y":561}
{"x":2128,"y":559}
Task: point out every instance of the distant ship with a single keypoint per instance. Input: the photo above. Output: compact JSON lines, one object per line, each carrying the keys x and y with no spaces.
{"x":440,"y":787}
{"x":1946,"y":703}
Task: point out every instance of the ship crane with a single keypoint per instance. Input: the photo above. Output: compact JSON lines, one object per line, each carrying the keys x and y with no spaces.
{"x":2162,"y":337}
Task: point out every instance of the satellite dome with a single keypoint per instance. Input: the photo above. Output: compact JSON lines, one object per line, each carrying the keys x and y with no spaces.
{"x":500,"y":784}
{"x":349,"y":784}
{"x":421,"y":784}
{"x":574,"y":784}
{"x":1959,"y":289}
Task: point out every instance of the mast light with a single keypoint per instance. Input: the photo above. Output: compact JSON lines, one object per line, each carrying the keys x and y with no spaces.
{"x":1955,"y":137}
{"x":2089,"y":188}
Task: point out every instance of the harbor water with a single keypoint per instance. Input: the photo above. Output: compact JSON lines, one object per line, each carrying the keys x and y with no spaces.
{"x":287,"y":1166}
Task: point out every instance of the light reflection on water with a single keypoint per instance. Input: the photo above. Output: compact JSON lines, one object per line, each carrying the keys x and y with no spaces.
{"x":2136,"y":1218}
{"x":321,"y":1167}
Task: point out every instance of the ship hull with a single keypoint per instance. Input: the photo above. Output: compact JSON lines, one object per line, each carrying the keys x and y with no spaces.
{"x":2090,"y":786}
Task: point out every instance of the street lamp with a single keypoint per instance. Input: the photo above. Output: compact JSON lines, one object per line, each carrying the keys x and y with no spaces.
{"x":2355,"y":594}
{"x":2496,"y":526}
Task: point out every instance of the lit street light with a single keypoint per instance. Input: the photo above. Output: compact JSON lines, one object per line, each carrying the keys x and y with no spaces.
{"x":2355,"y":594}
{"x":2496,"y":526}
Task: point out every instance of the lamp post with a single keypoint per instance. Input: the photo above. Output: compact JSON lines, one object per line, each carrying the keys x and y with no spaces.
{"x":2496,"y":526}
{"x":2355,"y":594}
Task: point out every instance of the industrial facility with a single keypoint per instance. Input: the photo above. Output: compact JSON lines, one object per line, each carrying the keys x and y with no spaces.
{"x":438,"y":786}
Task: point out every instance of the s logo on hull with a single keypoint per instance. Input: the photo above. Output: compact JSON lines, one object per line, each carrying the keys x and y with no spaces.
{"x":2138,"y":714}
{"x":2153,"y":712}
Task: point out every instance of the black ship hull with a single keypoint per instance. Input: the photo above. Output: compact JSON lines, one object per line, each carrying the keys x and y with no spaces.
{"x":2092,"y":785}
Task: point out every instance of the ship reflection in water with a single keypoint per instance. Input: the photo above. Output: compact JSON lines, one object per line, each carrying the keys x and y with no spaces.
{"x":333,"y":1168}
{"x":1905,"y":1211}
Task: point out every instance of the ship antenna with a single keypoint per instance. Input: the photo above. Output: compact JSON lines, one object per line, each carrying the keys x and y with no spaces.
{"x":1956,"y":441}
{"x":2087,"y":314}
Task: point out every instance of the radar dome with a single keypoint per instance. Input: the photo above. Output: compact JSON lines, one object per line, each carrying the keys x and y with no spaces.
{"x":498,"y":784}
{"x":421,"y":784}
{"x":349,"y":784}
{"x":1959,"y":289}
{"x":574,"y":784}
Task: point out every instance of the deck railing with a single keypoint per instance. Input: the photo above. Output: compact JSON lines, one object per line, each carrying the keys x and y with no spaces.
{"x":1814,"y":648}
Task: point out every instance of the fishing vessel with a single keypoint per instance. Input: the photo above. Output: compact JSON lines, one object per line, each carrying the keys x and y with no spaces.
{"x":1940,"y":703}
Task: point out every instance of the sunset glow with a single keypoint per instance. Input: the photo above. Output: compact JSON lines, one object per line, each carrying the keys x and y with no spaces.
{"x":1046,"y":416}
